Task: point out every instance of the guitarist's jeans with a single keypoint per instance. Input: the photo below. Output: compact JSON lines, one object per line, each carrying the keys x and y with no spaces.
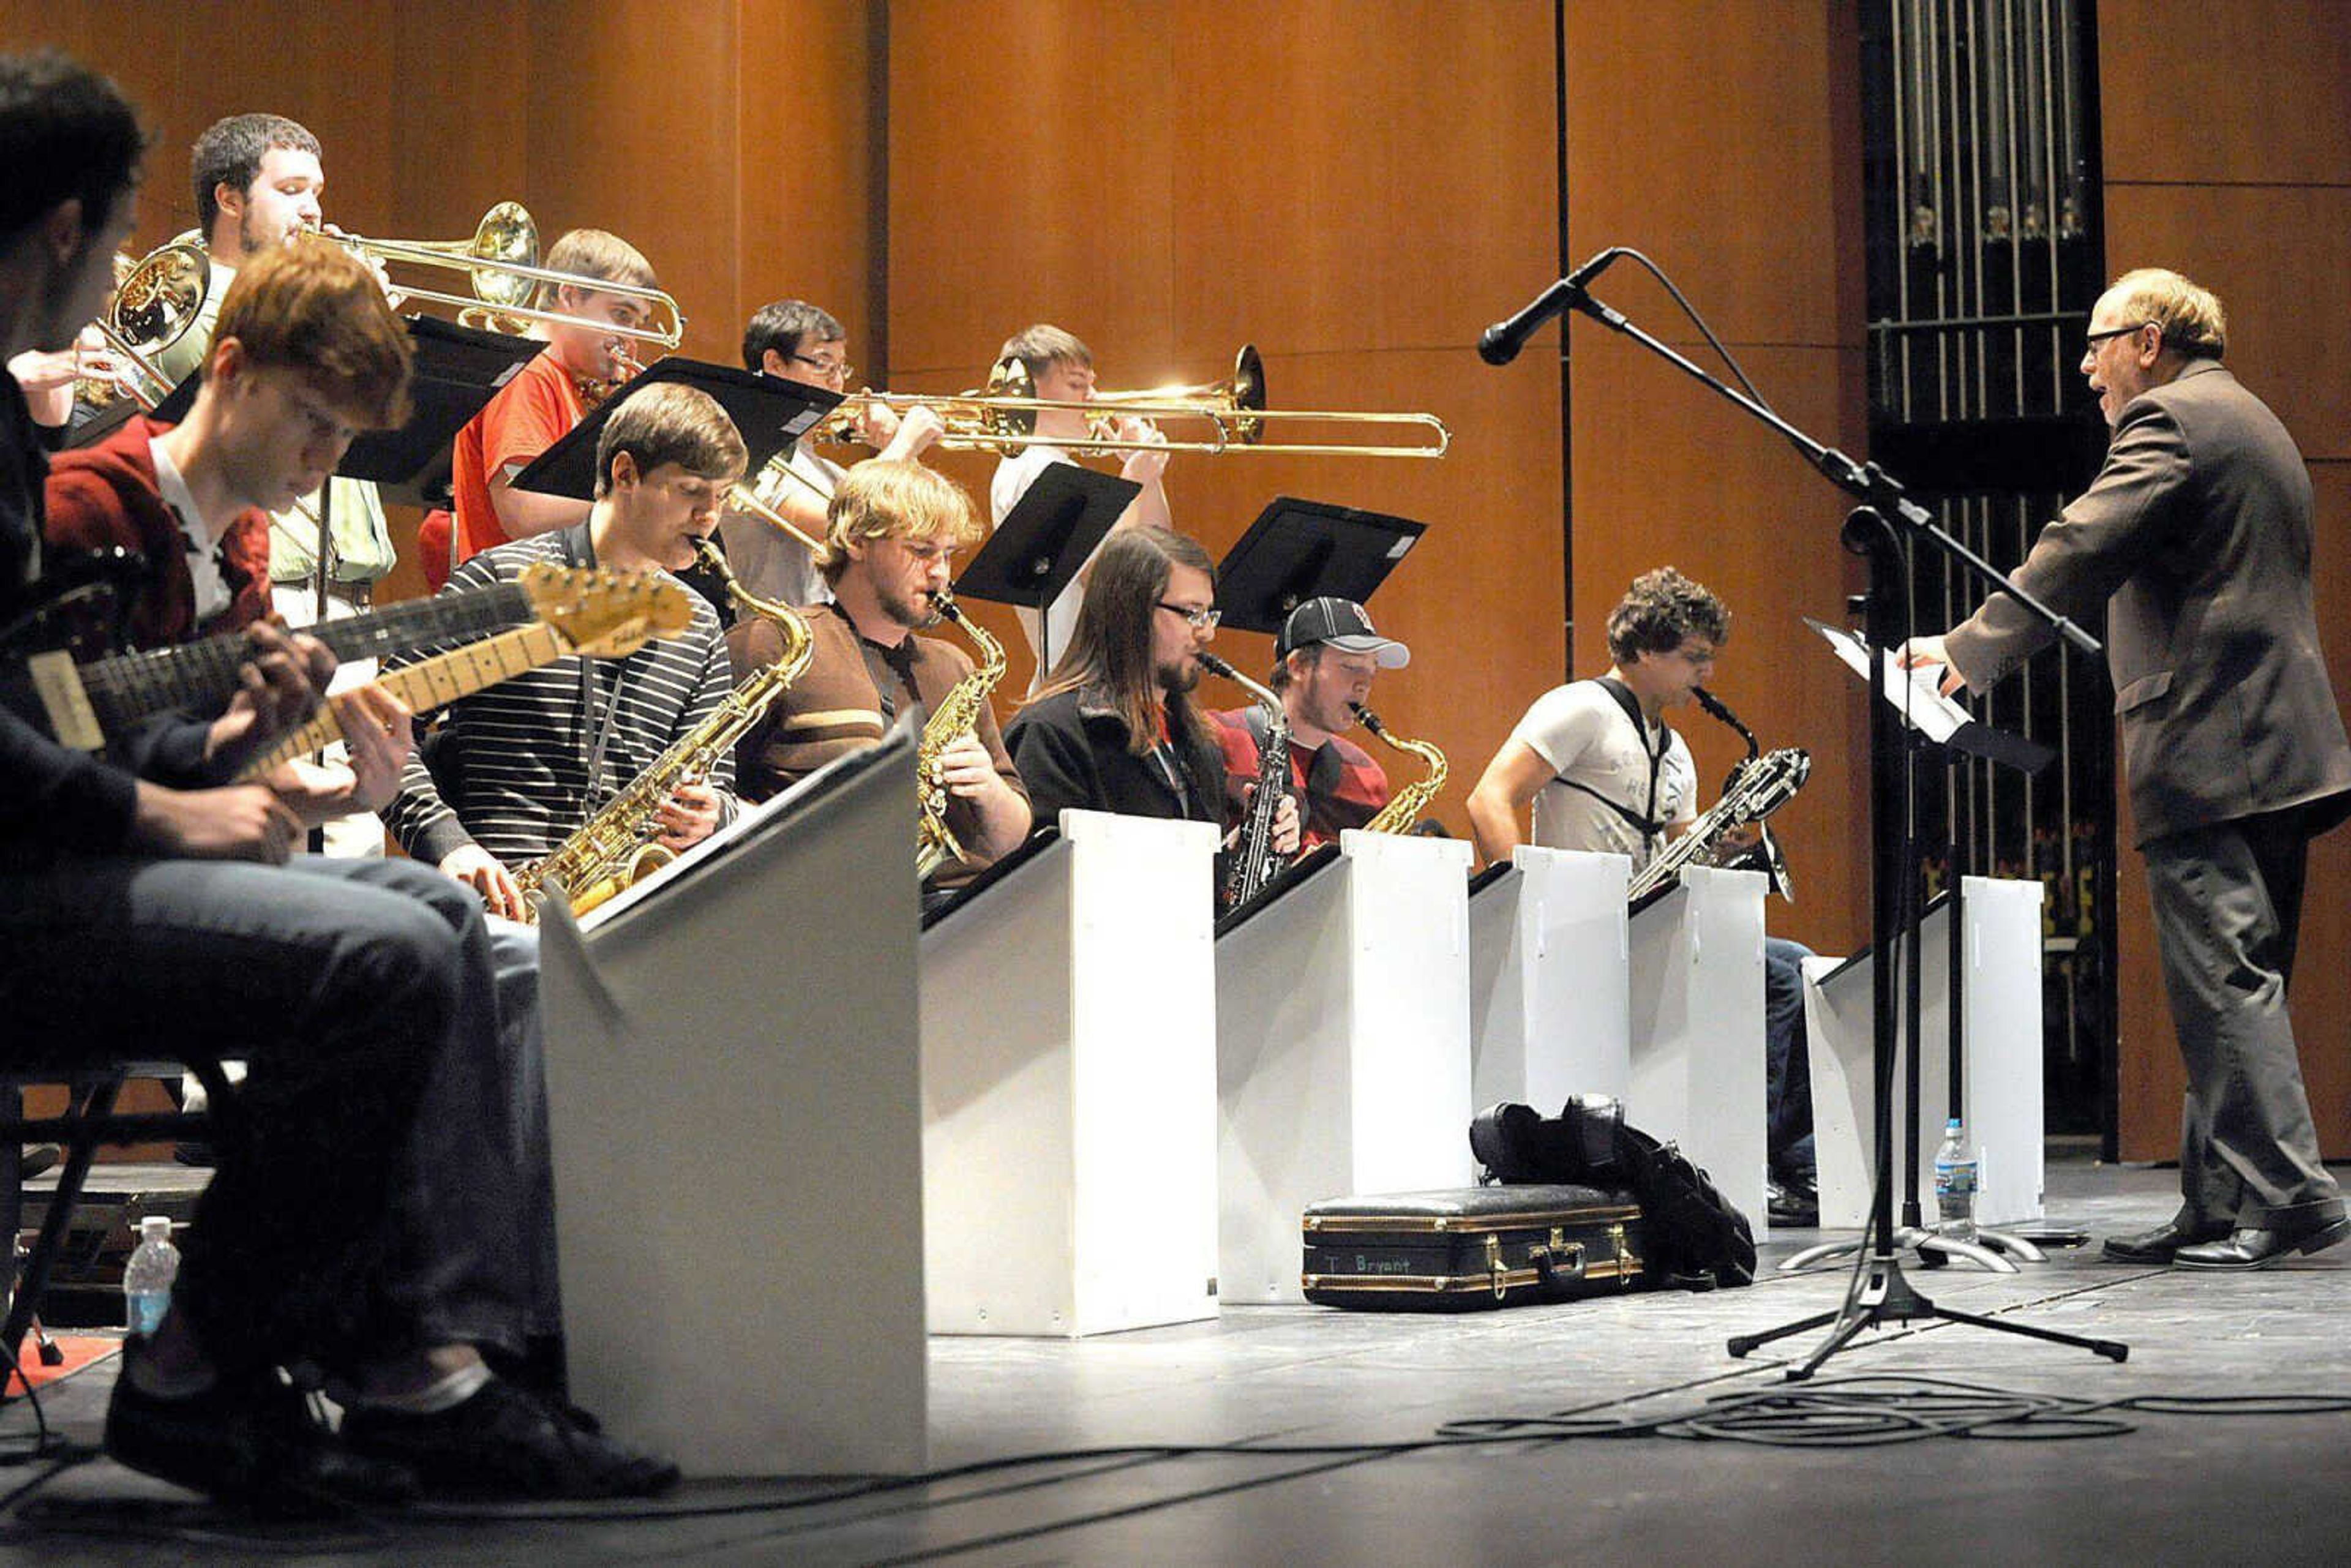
{"x":371,"y":1195}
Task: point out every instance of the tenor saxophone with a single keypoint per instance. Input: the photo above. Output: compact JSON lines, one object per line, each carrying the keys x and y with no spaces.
{"x":616,"y":849}
{"x":957,"y":716}
{"x":1404,"y":807}
{"x":1254,"y":860}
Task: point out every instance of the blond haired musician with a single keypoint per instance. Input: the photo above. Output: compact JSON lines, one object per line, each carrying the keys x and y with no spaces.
{"x":1604,"y":771}
{"x":1063,"y":369}
{"x":518,"y":768}
{"x":798,"y":342}
{"x":2196,"y":538}
{"x":546,"y":398}
{"x":892,"y":533}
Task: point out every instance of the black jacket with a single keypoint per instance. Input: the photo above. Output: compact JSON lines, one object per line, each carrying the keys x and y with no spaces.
{"x":1072,"y":750}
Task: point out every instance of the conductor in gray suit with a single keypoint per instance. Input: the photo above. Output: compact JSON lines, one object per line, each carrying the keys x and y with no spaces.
{"x":2197,"y":537}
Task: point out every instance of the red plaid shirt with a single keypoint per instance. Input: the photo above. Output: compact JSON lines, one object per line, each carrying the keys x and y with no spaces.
{"x":1337,"y":784}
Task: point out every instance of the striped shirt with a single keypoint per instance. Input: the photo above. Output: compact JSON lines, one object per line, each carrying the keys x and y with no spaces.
{"x":511,"y":763}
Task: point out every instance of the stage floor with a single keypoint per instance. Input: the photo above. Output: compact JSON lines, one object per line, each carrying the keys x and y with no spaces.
{"x":2180,"y":1489}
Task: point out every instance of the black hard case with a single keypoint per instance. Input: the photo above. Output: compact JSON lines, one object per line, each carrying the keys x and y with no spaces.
{"x":1463,"y":1248}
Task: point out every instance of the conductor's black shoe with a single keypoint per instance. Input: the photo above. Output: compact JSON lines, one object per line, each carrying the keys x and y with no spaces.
{"x":503,"y":1443}
{"x":2259,"y":1247}
{"x":2157,"y":1245}
{"x":255,"y":1444}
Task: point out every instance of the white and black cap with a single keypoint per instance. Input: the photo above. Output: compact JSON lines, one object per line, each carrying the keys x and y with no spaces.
{"x":1343,"y":624}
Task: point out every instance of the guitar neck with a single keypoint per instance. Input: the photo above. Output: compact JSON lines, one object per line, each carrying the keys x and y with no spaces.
{"x":201,"y":678}
{"x":429,"y":684}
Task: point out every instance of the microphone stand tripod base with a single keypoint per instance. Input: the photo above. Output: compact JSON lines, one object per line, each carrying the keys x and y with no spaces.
{"x":1887,"y":1297}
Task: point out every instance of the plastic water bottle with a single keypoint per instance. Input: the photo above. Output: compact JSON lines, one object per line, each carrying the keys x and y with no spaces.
{"x":147,"y":1278}
{"x":1955,"y":1185}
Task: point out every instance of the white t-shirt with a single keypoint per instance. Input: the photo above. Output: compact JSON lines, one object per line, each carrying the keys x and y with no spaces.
{"x":203,"y":549}
{"x":1013,"y":476}
{"x":1585,"y":735}
{"x":769,"y":562}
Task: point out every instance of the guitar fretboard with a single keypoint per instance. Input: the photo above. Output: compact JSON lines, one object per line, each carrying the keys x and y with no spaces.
{"x":428,"y":683}
{"x":203,"y":676}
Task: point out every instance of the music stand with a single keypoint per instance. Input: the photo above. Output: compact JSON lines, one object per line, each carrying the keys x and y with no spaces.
{"x":1298,"y":551}
{"x":1045,"y":541}
{"x":770,"y":411}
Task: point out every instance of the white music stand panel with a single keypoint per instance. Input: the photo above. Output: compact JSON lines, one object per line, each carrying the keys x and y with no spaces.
{"x":1069,"y":1088}
{"x":2002,"y":1102}
{"x":1342,"y":1049}
{"x":734,"y":1106}
{"x":1548,"y":948}
{"x":1696,"y":990}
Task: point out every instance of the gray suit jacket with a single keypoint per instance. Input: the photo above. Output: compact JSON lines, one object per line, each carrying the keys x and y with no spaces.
{"x":2198,"y":531}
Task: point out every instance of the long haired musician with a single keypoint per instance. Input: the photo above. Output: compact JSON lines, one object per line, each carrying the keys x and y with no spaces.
{"x":1603,"y":771}
{"x":1116,"y":727}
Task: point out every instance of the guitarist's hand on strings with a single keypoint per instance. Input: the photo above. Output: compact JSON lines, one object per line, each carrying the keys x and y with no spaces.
{"x":377,"y":729}
{"x":278,"y":687}
{"x":241,"y":822}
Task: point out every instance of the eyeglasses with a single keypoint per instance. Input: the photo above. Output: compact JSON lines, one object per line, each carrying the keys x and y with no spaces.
{"x":826,"y":368}
{"x":1202,"y":619}
{"x":2092,"y":339}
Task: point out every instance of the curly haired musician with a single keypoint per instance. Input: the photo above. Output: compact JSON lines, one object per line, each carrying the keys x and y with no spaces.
{"x":1324,"y":662}
{"x":1604,"y":771}
{"x":518,"y":768}
{"x":1116,"y":727}
{"x":152,"y":908}
{"x":890,"y":536}
{"x":798,"y":342}
{"x":1061,"y":368}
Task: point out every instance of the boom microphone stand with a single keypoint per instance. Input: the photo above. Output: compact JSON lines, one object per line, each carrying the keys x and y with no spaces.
{"x":1881,"y":530}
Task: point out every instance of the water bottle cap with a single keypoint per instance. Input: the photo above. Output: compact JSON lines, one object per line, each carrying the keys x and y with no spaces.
{"x":155,"y":1228}
{"x":1952,"y":1125}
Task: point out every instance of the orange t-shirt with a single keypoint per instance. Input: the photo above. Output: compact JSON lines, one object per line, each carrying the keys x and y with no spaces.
{"x":530,"y":414}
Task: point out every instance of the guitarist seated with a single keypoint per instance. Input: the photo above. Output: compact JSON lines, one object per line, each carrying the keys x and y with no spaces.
{"x":134,"y":921}
{"x":300,"y":364}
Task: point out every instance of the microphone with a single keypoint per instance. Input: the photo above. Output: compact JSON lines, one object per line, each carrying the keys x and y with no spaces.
{"x":1501,"y":343}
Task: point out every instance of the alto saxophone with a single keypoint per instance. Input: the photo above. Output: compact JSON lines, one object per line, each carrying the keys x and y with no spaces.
{"x":1760,"y":785}
{"x":957,"y":716}
{"x":1404,"y":807}
{"x":615,"y":848}
{"x":1254,"y":859}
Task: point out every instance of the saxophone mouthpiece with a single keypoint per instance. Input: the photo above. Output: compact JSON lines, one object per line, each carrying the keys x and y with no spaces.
{"x":1368,"y":720}
{"x":1217,"y":666}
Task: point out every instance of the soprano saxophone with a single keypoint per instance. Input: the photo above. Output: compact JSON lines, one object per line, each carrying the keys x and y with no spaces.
{"x":957,"y":716}
{"x":1404,"y":807}
{"x":616,"y":849}
{"x":1758,"y":786}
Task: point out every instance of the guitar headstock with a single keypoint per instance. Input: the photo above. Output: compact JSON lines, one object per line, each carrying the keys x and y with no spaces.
{"x":607,"y":614}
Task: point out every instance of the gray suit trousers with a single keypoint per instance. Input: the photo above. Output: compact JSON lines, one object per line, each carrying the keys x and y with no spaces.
{"x":2228,"y":906}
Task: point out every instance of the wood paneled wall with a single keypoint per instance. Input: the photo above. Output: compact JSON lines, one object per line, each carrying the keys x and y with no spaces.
{"x":1723,"y":140}
{"x":2260,"y":215}
{"x":1358,"y":188}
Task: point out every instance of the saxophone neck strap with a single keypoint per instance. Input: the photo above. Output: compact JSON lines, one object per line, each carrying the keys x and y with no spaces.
{"x":1646,"y":822}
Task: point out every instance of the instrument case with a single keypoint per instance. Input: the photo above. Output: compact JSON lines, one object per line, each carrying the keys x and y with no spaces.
{"x":1462,"y":1248}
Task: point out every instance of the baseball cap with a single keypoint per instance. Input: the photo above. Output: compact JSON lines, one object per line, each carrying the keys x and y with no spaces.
{"x":1343,"y":623}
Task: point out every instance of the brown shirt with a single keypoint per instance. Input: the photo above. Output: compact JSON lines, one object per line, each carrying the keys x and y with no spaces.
{"x":845,"y":701}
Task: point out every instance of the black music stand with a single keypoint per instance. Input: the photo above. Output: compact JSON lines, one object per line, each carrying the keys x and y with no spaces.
{"x":1046,"y":540}
{"x":1298,"y":551}
{"x":770,"y":413}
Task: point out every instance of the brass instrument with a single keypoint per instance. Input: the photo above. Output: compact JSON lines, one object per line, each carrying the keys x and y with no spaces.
{"x":156,"y":300}
{"x":957,"y":716}
{"x":1404,"y":807}
{"x":501,"y":261}
{"x":1002,"y":416}
{"x":1254,"y":860}
{"x":615,"y":848}
{"x":1761,"y":783}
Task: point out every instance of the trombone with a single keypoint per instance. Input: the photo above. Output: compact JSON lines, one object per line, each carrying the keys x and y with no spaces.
{"x":501,"y":261}
{"x":1003,"y":415}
